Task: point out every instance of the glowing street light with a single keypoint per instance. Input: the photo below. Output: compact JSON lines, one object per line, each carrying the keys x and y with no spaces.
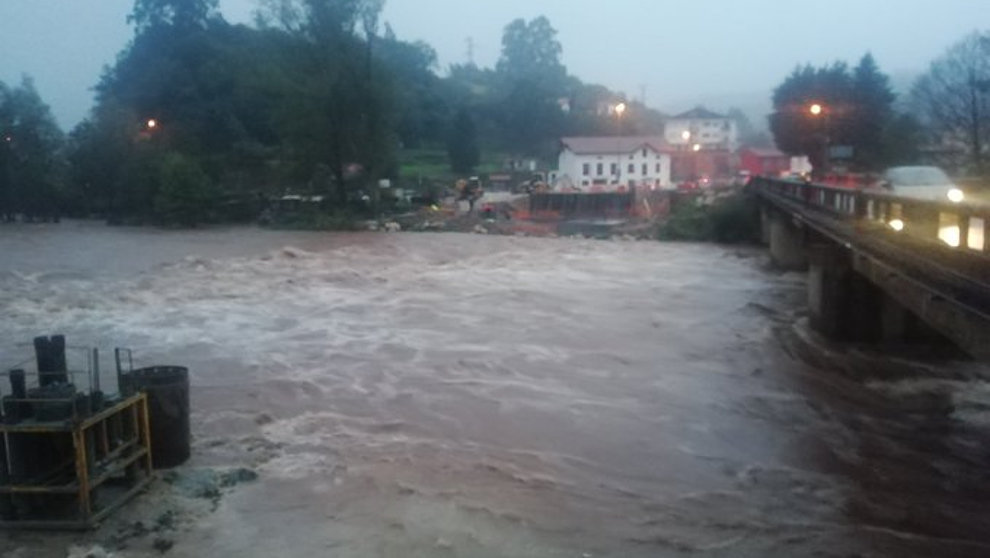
{"x":686,"y":135}
{"x":619,"y":109}
{"x":818,"y":110}
{"x":696,"y":147}
{"x":152,"y":123}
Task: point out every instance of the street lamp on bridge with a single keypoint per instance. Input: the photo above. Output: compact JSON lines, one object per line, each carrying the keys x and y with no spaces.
{"x":818,"y":110}
{"x":620,"y":109}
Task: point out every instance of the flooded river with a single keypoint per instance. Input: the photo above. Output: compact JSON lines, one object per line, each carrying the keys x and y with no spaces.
{"x":419,"y":395}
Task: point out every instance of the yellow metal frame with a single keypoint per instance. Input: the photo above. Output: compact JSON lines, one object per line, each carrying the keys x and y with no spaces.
{"x":110,"y":458}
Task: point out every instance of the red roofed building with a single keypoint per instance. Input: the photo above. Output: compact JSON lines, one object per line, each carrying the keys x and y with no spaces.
{"x":764,"y":161}
{"x":607,"y":164}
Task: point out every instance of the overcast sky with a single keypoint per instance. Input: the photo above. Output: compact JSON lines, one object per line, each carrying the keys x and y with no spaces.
{"x":681,"y":52}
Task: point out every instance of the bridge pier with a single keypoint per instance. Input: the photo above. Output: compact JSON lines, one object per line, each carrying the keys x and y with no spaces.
{"x":828,"y":273}
{"x":786,"y":243}
{"x":846,"y":306}
{"x":895,"y":321}
{"x":764,"y":225}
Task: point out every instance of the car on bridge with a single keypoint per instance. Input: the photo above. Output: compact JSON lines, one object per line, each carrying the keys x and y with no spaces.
{"x":921,"y":182}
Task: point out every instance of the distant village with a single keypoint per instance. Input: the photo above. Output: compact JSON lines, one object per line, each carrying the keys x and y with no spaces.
{"x":697,"y":148}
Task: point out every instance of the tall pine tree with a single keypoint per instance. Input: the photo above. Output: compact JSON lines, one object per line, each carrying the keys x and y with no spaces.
{"x":873,"y":102}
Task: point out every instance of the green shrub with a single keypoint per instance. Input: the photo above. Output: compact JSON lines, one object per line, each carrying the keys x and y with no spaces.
{"x":731,"y":219}
{"x":186,"y":195}
{"x":735,"y":219}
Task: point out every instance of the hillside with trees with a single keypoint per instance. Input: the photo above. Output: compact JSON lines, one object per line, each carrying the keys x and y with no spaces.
{"x":202,"y":119}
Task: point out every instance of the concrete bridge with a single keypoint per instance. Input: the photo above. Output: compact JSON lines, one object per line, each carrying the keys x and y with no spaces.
{"x":883,"y":268}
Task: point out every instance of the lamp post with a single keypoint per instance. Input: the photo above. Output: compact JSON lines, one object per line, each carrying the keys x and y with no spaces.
{"x":620,"y":109}
{"x":818,"y":110}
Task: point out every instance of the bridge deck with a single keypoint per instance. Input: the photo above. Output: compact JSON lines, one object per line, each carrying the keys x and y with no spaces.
{"x":948,"y":287}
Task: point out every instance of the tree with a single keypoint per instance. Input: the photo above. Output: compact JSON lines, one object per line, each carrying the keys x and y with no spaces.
{"x":186,"y":194}
{"x":462,"y":145}
{"x":31,"y":157}
{"x":181,"y":14}
{"x":953,"y":98}
{"x":799,"y":132}
{"x":531,"y":51}
{"x":337,"y":106}
{"x":903,"y":137}
{"x":532,"y":80}
{"x":873,"y":102}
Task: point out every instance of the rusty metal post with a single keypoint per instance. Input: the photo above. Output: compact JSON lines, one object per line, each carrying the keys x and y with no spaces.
{"x":146,"y":433}
{"x":82,"y":473}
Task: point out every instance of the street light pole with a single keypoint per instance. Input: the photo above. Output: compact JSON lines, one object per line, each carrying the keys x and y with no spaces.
{"x":620,"y":109}
{"x":818,"y":110}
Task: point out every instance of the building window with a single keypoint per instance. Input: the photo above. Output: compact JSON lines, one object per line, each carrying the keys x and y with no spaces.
{"x":644,"y":152}
{"x":645,"y":170}
{"x":586,"y":169}
{"x":584,"y":183}
{"x":631,"y":157}
{"x":614,"y":169}
{"x":632,"y":168}
{"x":600,"y":168}
{"x":658,"y":168}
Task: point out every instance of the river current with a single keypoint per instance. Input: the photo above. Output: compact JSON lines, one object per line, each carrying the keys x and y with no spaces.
{"x":468,"y":395}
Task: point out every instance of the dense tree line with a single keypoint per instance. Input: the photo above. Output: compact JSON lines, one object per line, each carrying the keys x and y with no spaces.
{"x":32,"y":169}
{"x":816,"y":109}
{"x":199,"y":119}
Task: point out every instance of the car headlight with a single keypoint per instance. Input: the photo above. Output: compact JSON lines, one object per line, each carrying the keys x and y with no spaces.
{"x":956,"y":195}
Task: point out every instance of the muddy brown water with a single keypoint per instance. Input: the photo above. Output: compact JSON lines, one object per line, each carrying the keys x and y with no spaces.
{"x":463,"y":395}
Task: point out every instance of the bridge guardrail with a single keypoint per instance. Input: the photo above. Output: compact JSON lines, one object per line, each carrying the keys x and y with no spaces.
{"x":962,"y":226}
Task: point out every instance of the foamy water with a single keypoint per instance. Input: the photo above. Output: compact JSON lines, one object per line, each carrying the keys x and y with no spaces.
{"x":459,"y":395}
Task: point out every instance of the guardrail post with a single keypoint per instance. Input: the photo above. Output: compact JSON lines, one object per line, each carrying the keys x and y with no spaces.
{"x":859,"y":205}
{"x":963,"y":222}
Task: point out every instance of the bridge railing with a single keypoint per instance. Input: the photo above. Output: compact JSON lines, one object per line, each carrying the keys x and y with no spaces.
{"x":958,"y":225}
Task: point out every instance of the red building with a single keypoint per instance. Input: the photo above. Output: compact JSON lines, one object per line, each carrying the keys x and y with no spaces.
{"x":764,"y":161}
{"x":692,"y":165}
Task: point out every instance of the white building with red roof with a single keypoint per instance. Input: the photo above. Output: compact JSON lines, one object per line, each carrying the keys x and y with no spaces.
{"x":613,"y":163}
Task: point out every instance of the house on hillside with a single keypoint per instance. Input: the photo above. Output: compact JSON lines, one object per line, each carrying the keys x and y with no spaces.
{"x":609,"y":164}
{"x":702,"y":128}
